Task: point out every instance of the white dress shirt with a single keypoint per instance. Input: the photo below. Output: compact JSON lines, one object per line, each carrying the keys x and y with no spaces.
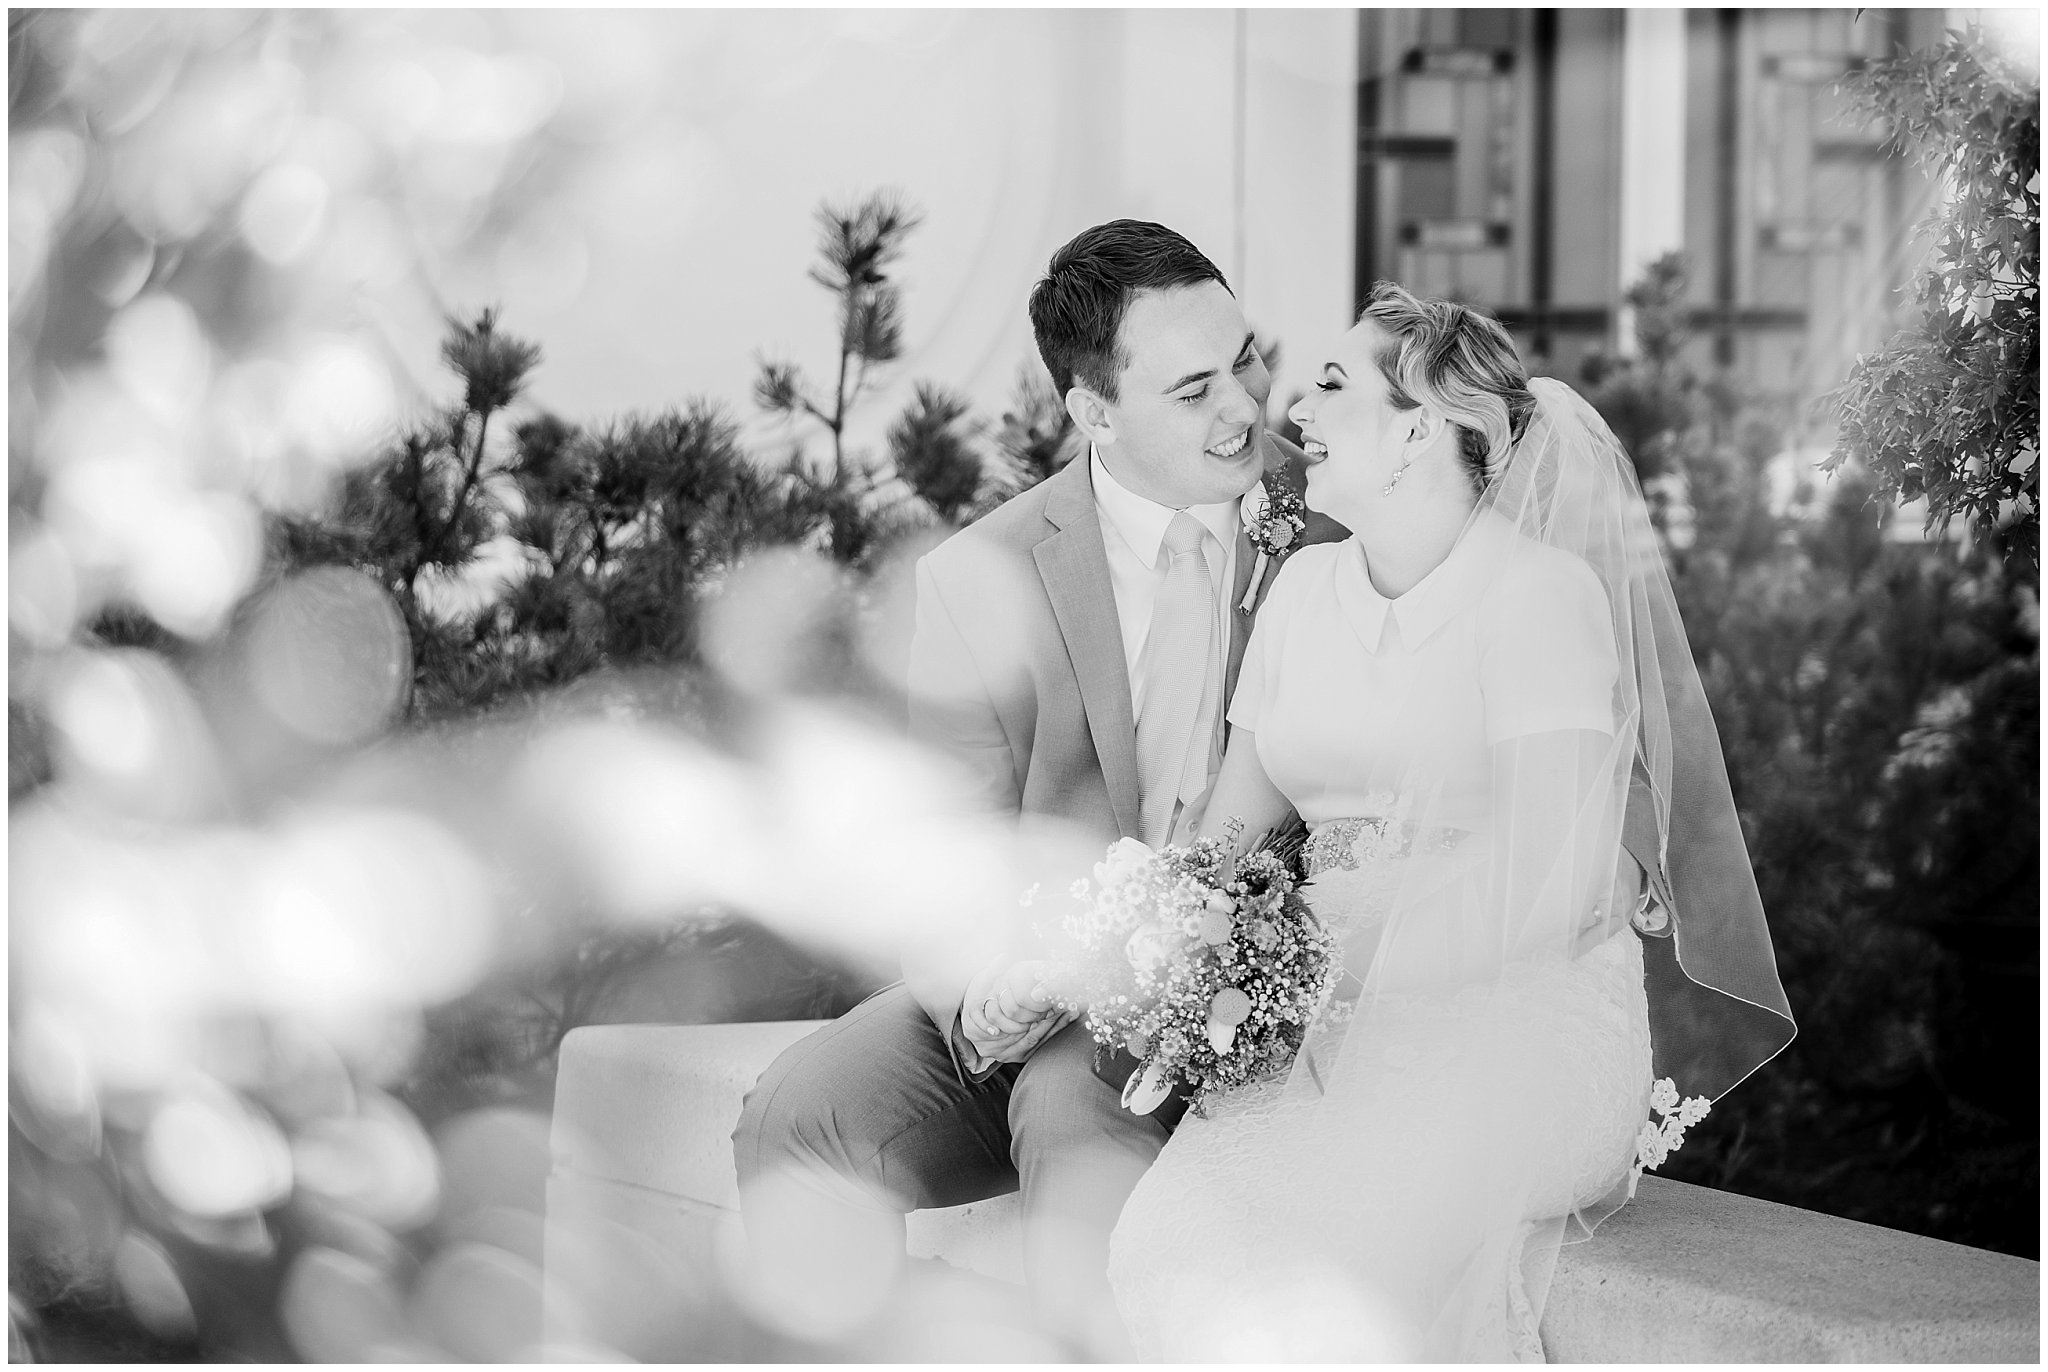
{"x":1133,"y":528}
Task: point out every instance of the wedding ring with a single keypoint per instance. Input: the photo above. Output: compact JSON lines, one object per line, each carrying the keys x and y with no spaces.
{"x":988,"y":1012}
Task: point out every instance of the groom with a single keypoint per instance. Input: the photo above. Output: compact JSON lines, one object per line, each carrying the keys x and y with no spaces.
{"x":1075,"y":649}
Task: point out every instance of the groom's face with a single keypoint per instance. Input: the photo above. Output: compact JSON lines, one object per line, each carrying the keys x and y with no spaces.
{"x":1186,"y":425}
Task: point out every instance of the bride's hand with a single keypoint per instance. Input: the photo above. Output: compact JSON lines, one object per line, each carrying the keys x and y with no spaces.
{"x":1630,"y":881}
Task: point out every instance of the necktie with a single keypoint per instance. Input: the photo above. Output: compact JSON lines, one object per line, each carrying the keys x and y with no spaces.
{"x":1174,"y":749}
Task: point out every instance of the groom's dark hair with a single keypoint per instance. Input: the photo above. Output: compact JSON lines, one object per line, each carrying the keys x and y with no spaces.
{"x":1077,"y":307}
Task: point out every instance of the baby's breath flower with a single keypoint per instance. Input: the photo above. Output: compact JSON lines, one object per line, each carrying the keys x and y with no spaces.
{"x":1158,"y":940}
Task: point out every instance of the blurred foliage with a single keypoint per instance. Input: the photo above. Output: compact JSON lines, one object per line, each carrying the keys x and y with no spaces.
{"x":930,"y":446}
{"x":1653,"y":398}
{"x":1950,"y":408}
{"x":1036,"y":437}
{"x":557,"y":553}
{"x":428,"y":504}
{"x":217,"y":220}
{"x":524,"y":560}
{"x":1877,"y":699}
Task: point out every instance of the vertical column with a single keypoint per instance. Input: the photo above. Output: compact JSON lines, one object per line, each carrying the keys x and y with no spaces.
{"x":1652,"y":147}
{"x":1239,"y":102}
{"x":1542,"y":176}
{"x":1366,"y":266}
{"x":1727,"y":180}
{"x":1300,"y":171}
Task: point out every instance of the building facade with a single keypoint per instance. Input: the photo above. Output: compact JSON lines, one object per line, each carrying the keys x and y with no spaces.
{"x":1534,"y":161}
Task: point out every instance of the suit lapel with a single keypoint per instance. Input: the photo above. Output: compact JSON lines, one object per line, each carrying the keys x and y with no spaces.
{"x":1320,"y":529}
{"x":1075,"y":570}
{"x":1241,"y":620}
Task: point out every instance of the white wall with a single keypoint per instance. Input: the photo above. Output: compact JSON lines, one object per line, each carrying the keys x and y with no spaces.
{"x":673,"y":242}
{"x":1301,"y":178}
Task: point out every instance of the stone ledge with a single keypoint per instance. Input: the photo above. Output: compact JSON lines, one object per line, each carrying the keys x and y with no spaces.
{"x":1689,"y":1274}
{"x":1684,"y":1274}
{"x":655,"y":1104}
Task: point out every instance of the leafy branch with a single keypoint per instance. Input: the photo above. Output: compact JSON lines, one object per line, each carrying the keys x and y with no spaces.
{"x":1950,"y":408}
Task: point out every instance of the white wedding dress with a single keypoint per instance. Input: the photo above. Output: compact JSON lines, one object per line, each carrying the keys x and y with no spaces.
{"x":1402,"y":1195}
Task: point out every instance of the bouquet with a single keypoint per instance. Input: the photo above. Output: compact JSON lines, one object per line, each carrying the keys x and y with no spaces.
{"x":1207,"y":970}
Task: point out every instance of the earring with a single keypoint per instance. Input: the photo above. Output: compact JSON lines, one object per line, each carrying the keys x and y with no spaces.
{"x":1388,"y":489}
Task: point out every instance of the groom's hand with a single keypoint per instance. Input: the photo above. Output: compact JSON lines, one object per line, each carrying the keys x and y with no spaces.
{"x":1008,"y":1011}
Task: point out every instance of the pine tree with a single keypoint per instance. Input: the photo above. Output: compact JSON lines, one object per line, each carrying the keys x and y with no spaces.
{"x":417,"y":516}
{"x":850,"y":499}
{"x":618,"y":531}
{"x":856,"y":244}
{"x":623,"y":529}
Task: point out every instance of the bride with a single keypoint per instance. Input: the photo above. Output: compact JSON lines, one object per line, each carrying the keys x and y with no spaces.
{"x":1457,"y":701}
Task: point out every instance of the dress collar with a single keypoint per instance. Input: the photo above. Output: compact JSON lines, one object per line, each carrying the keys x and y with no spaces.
{"x":1430,"y":603}
{"x":1142,"y":522}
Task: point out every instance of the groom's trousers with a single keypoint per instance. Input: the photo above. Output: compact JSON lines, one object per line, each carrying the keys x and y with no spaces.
{"x":869,"y":1115}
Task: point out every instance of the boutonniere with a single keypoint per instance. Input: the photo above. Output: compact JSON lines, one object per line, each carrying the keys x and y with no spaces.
{"x":1274,"y":516}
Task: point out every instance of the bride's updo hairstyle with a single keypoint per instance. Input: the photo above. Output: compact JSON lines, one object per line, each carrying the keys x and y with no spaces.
{"x":1460,"y":362}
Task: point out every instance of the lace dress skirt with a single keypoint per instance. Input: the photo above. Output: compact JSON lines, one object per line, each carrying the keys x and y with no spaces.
{"x":1408,"y":1206}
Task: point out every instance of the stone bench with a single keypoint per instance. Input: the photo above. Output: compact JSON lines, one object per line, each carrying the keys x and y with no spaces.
{"x":641,"y":1205}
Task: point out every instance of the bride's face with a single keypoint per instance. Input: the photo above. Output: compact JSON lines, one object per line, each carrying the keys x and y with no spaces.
{"x":1355,"y":438}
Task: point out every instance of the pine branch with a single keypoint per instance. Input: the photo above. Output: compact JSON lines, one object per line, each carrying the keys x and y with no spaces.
{"x":415,"y":457}
{"x":472,"y":468}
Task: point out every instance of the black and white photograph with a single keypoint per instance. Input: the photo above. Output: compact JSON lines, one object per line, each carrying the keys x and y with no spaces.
{"x":946,"y":685}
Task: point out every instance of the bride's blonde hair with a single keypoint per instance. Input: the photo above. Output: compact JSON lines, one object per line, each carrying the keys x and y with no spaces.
{"x":1461,"y":364}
